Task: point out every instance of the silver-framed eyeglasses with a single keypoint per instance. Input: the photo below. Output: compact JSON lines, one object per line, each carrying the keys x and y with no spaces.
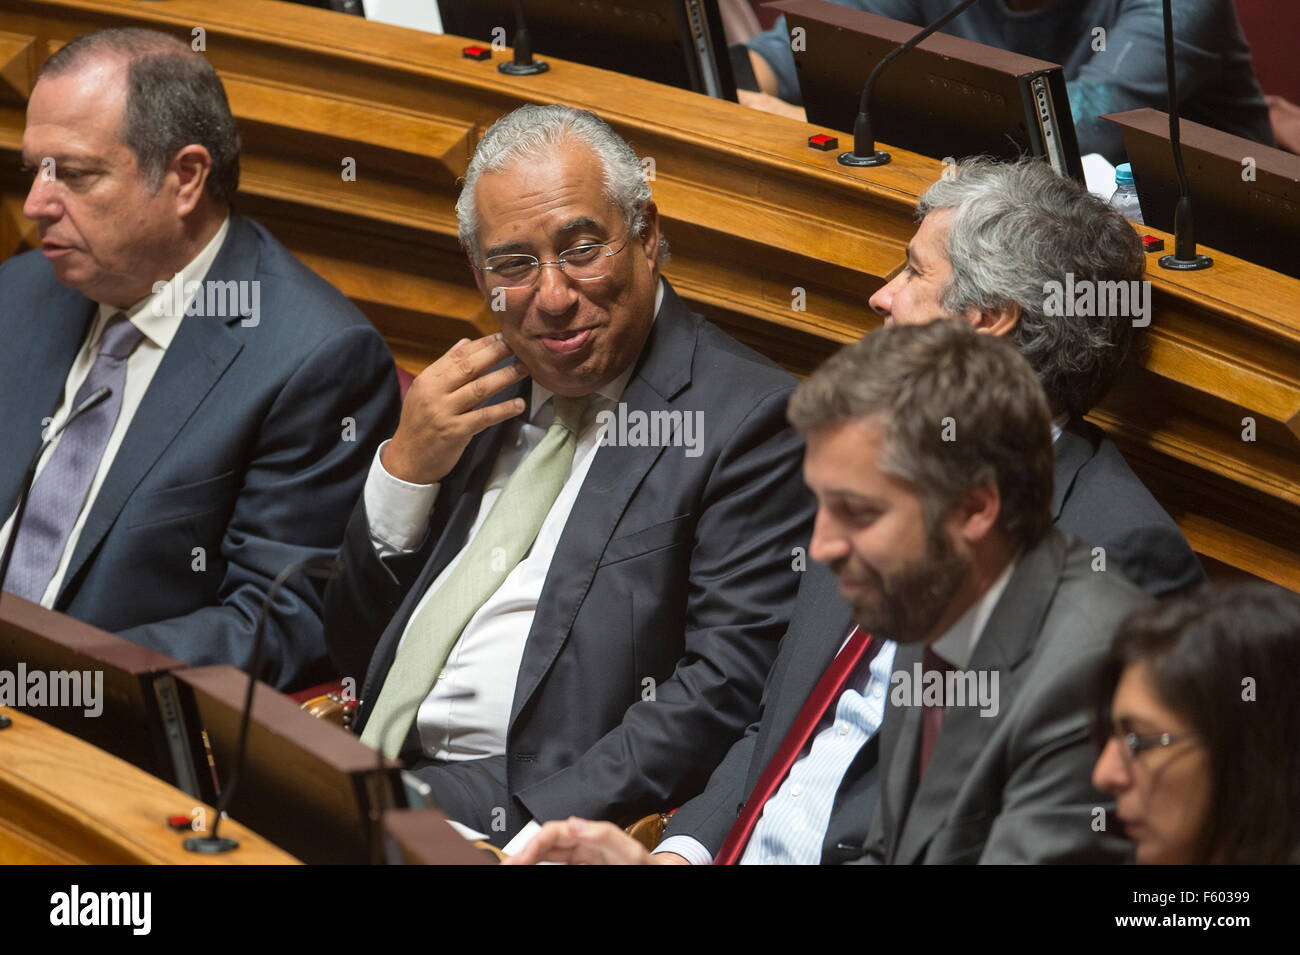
{"x":1135,"y":745}
{"x":582,"y":263}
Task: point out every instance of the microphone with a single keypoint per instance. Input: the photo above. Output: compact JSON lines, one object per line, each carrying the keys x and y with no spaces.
{"x":523,"y":64}
{"x":322,"y":567}
{"x":1185,"y":257}
{"x":91,"y":400}
{"x":864,"y":140}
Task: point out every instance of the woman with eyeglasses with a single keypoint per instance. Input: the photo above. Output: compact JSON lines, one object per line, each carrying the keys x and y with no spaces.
{"x":1198,"y":715}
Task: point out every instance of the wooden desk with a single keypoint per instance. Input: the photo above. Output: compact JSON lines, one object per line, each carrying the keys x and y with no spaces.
{"x":64,"y":801}
{"x":756,"y":219}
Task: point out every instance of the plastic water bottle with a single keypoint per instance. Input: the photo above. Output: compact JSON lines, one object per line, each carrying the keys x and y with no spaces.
{"x":1125,"y":198}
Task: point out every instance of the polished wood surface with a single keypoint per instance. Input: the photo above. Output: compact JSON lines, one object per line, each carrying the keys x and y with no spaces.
{"x":758,"y":222}
{"x":64,"y":801}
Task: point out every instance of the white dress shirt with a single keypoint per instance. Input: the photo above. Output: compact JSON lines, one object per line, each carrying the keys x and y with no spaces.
{"x":794,"y":821}
{"x":467,"y":713}
{"x":156,"y":318}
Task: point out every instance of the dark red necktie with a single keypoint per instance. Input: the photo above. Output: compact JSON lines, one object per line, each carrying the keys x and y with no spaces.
{"x":823,"y":697}
{"x":931,"y":716}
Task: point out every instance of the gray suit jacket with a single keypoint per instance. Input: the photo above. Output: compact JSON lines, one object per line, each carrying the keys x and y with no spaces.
{"x":1014,"y":787}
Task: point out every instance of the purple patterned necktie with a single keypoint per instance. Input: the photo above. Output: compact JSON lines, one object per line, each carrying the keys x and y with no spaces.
{"x":60,"y":490}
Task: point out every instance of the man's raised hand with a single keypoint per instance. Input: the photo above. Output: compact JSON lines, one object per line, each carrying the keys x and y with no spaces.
{"x":440,"y":414}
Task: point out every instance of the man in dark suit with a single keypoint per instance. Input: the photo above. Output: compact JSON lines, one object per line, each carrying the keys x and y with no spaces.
{"x":245,"y":394}
{"x":567,"y":599}
{"x":930,"y":456}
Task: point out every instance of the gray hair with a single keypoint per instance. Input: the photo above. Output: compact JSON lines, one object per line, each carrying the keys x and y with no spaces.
{"x":174,"y":98}
{"x":531,"y":132}
{"x":960,"y":410}
{"x":1019,"y":226}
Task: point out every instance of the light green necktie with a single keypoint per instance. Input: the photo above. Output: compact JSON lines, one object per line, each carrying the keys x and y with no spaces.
{"x":501,"y":542}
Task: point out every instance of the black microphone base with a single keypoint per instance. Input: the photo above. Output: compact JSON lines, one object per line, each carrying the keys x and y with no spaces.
{"x":208,"y":846}
{"x":523,"y":69}
{"x":1194,"y":264}
{"x":878,"y":158}
{"x":5,"y":722}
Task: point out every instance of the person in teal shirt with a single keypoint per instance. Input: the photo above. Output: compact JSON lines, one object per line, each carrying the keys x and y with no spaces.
{"x":1106,"y":72}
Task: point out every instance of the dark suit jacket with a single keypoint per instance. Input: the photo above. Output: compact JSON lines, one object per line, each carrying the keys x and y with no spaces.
{"x":1015,"y":786}
{"x":240,"y":447}
{"x":1096,"y":492}
{"x":1099,"y":499}
{"x":671,"y":568}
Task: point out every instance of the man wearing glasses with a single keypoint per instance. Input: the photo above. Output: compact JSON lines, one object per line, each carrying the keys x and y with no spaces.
{"x":547,"y":615}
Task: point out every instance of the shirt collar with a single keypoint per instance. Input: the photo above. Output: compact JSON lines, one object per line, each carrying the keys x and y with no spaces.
{"x":957,"y":644}
{"x":611,"y":391}
{"x":1058,"y":425}
{"x":155,"y":314}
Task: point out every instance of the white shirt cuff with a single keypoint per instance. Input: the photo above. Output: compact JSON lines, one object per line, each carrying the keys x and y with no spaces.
{"x":397,"y":511}
{"x":690,"y":849}
{"x":522,"y":837}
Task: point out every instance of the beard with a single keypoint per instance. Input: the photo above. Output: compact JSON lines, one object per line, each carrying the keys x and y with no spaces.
{"x":906,"y":606}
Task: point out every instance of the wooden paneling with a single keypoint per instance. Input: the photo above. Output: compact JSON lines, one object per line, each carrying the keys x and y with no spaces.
{"x":752,"y":213}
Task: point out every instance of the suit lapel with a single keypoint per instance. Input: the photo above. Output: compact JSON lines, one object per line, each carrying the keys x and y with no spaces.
{"x":33,"y":384}
{"x":1007,"y":641}
{"x":1072,"y":451}
{"x":662,"y":371}
{"x":195,"y":360}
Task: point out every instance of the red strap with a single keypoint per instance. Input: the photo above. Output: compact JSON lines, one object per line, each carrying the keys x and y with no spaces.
{"x":823,"y":697}
{"x":932,"y":715}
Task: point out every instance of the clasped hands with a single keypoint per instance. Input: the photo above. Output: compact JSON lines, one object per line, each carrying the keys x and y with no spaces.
{"x":582,"y":842}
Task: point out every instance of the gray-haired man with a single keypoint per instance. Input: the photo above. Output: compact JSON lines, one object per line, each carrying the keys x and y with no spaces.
{"x":569,"y":573}
{"x":1018,"y":251}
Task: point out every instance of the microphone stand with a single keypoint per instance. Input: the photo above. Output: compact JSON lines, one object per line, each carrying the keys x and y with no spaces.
{"x":1185,"y":258}
{"x":864,"y":142}
{"x":523,"y":63}
{"x":321,"y":567}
